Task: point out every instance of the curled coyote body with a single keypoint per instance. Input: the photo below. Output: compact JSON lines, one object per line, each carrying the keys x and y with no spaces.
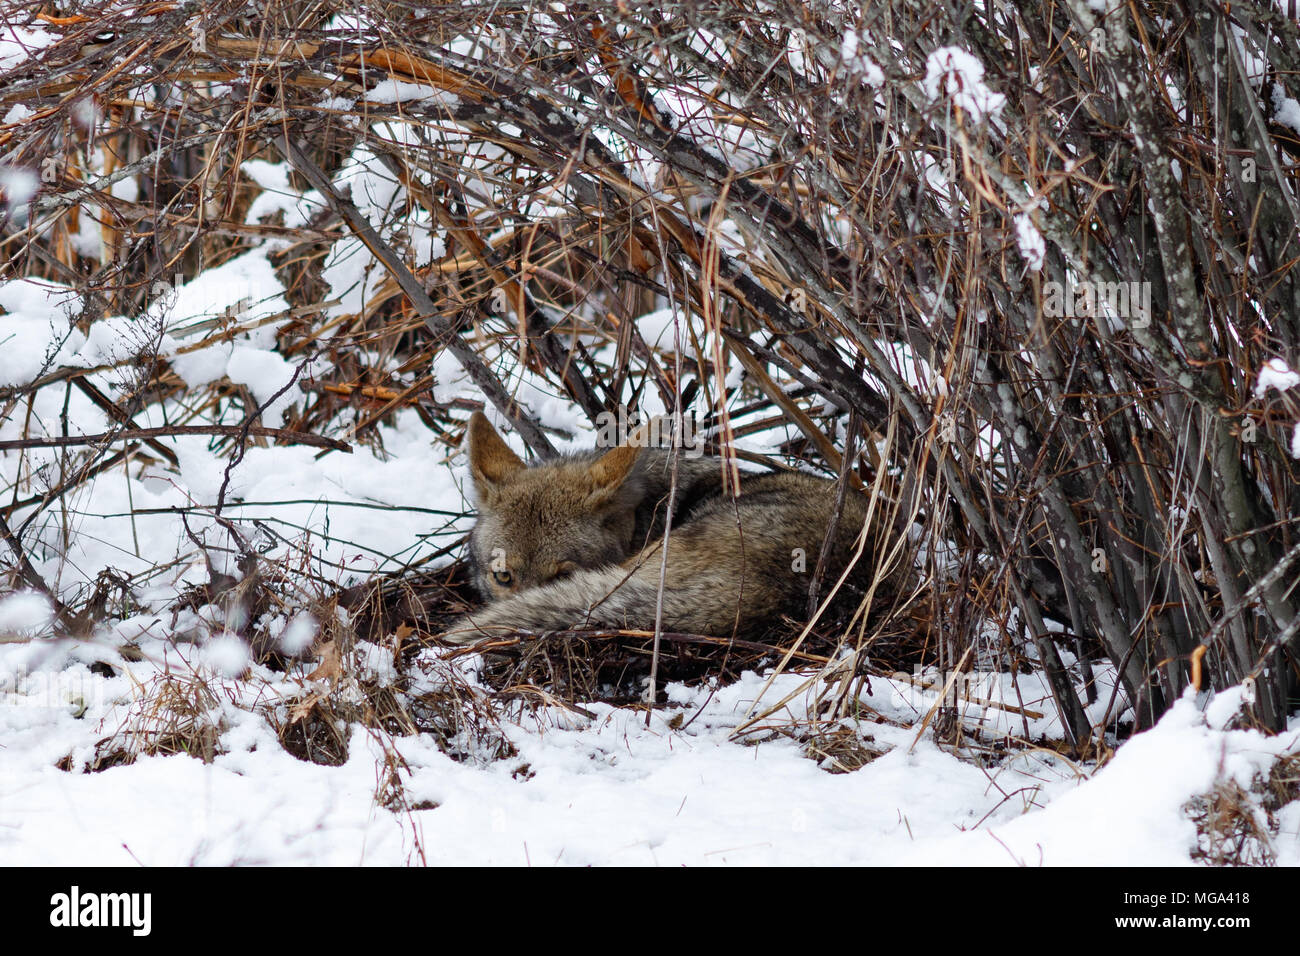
{"x":577,"y":542}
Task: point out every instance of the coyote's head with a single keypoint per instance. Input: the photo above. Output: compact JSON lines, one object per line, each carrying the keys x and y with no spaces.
{"x":537,"y":524}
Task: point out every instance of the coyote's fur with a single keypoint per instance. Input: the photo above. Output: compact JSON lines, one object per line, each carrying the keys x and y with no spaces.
{"x":577,"y":542}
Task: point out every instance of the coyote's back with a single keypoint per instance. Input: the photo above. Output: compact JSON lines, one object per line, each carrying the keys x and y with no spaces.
{"x":577,"y":542}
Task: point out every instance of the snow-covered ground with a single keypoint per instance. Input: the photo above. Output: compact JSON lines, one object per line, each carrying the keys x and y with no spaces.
{"x":599,"y":789}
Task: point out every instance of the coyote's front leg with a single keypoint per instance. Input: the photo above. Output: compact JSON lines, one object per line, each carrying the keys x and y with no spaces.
{"x":607,"y":597}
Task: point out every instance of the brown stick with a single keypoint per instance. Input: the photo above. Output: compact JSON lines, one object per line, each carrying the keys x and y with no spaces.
{"x":142,"y":434}
{"x":493,"y":644}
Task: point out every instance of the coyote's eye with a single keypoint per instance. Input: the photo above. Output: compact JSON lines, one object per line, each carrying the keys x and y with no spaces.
{"x":502,"y":578}
{"x":565,"y":568}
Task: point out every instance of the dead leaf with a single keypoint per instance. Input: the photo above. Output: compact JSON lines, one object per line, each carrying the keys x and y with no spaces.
{"x":331,"y":665}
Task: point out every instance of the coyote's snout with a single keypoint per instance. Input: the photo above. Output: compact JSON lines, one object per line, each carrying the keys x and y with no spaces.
{"x":577,"y":542}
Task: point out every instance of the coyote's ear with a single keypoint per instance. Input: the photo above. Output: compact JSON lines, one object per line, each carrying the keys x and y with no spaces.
{"x":491,"y":462}
{"x":611,"y":469}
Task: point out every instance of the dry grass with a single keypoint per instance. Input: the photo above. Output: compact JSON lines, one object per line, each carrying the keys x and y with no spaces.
{"x":841,"y":749}
{"x":176,"y":713}
{"x":1236,"y":826}
{"x":1232,"y":828}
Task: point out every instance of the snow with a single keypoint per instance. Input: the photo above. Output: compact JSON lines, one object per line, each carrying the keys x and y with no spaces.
{"x":1030,"y":241}
{"x":265,"y":373}
{"x":227,"y":655}
{"x":860,"y":64}
{"x":17,"y":187}
{"x":277,"y":195}
{"x":604,"y":790}
{"x":1226,"y":705}
{"x":298,"y":634}
{"x":1131,"y":812}
{"x":398,"y":91}
{"x":350,"y":270}
{"x":241,"y":292}
{"x":952,"y":72}
{"x":36,"y":333}
{"x":116,"y":340}
{"x":21,"y":43}
{"x":1285,"y":109}
{"x":657,"y":327}
{"x":344,"y":515}
{"x":341,"y":104}
{"x":25,"y":614}
{"x":1275,"y":373}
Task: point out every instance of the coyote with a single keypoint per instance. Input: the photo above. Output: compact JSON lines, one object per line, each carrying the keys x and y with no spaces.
{"x":577,"y":542}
